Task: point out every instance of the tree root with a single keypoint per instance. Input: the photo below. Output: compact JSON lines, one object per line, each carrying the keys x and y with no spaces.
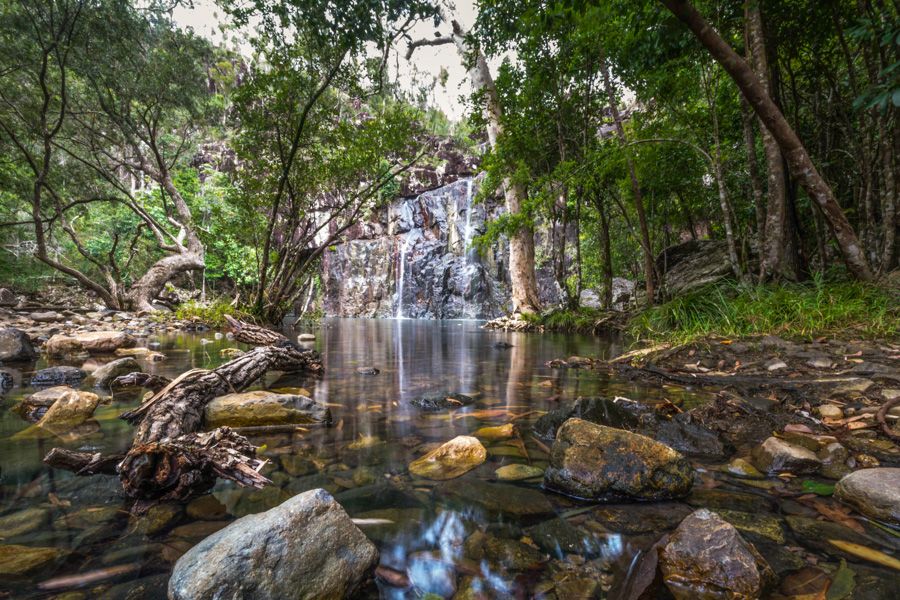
{"x":169,"y":458}
{"x":881,"y":415}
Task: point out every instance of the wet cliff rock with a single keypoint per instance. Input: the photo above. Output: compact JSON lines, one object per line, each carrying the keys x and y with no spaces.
{"x":416,"y":261}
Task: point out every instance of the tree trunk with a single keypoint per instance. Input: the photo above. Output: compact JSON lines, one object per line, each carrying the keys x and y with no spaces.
{"x":888,"y":196}
{"x":646,"y":248}
{"x":525,"y":298}
{"x":606,"y":299}
{"x":756,"y":187}
{"x":798,"y":159}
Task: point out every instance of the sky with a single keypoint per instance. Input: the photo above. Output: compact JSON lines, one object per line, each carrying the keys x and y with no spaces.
{"x":204,"y":18}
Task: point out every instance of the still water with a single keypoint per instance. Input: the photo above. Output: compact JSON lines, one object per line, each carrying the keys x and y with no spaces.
{"x":423,"y":527}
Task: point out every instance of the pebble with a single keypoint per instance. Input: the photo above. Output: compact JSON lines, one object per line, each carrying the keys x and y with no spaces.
{"x":830,"y":411}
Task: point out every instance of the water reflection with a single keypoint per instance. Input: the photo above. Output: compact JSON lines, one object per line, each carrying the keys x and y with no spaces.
{"x":476,"y":535}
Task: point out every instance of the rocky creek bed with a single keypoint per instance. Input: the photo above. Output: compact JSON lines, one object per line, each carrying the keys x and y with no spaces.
{"x":439,"y":458}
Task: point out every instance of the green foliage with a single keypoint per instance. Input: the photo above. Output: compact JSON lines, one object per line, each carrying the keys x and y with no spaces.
{"x":210,"y":313}
{"x":802,"y":310}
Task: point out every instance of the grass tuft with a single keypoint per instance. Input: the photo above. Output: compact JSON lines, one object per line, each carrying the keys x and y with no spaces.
{"x":793,"y":310}
{"x":209,"y":313}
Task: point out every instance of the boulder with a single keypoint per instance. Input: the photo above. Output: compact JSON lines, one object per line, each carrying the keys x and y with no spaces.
{"x":15,"y":346}
{"x":58,"y":376}
{"x":71,"y":409}
{"x":776,"y":455}
{"x":602,"y":463}
{"x":458,"y":456}
{"x":873,"y":492}
{"x":706,"y":558}
{"x":104,"y":376}
{"x":33,"y":407}
{"x":7,"y":297}
{"x":94,"y":342}
{"x":307,"y":547}
{"x":263,"y":407}
{"x":689,"y":266}
{"x":47,"y":316}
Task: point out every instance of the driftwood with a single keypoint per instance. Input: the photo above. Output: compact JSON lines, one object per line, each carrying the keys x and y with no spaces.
{"x":83,"y":463}
{"x":169,"y":459}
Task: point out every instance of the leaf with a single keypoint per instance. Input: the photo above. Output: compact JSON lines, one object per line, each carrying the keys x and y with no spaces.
{"x":818,"y":488}
{"x":838,"y":514}
{"x":866,"y":553}
{"x":843,"y":582}
{"x":808,"y":582}
{"x":797,"y":428}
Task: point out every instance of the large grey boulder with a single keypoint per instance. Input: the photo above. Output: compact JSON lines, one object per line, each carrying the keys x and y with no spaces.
{"x":603,"y":463}
{"x":307,"y":547}
{"x":706,"y":558}
{"x":873,"y":492}
{"x":689,"y":266}
{"x":15,"y":346}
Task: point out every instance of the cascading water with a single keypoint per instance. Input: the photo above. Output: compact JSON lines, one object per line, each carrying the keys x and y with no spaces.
{"x":402,"y":268}
{"x":467,"y":241}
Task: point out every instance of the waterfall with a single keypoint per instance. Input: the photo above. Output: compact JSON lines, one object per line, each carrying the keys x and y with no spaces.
{"x":402,"y":268}
{"x":467,"y":239}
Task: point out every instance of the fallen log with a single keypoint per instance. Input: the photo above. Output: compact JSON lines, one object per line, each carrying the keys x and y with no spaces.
{"x":169,"y":459}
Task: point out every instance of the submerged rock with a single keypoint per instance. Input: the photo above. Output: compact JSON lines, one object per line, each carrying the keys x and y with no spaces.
{"x":19,"y":561}
{"x":23,"y":521}
{"x":602,"y":463}
{"x":58,"y":376}
{"x":15,"y":346}
{"x":518,"y":472}
{"x":502,"y":553}
{"x":496,"y":499}
{"x":263,"y":407}
{"x":94,"y":342}
{"x":873,"y":492}
{"x":458,"y":456}
{"x":307,"y":547}
{"x":776,"y":455}
{"x":439,"y":403}
{"x":706,"y":558}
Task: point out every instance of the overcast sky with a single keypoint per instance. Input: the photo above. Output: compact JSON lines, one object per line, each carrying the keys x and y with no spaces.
{"x":204,"y":18}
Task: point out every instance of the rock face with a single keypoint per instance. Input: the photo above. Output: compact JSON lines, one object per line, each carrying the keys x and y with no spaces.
{"x":776,"y":455}
{"x":262,"y":407}
{"x":460,"y":455}
{"x":305,"y":548}
{"x":873,"y":492}
{"x":706,"y":558}
{"x":15,"y":346}
{"x":602,"y":463}
{"x":58,"y":376}
{"x":94,"y":342}
{"x":415,"y":261}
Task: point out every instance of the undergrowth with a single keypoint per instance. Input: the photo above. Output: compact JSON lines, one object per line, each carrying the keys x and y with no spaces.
{"x":577,"y":320}
{"x":210,"y":313}
{"x":792,"y":310}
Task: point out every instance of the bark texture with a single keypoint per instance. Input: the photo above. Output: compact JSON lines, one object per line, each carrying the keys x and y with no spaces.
{"x":798,"y":159}
{"x":646,"y":247}
{"x":523,"y":281}
{"x":169,"y":458}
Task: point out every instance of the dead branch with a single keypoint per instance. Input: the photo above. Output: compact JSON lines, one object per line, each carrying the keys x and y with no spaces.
{"x":437,"y":41}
